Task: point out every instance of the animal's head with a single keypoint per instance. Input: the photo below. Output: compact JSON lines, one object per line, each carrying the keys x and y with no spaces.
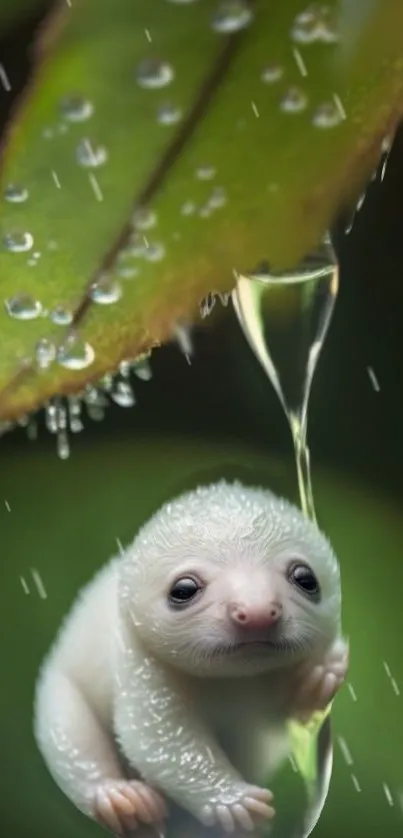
{"x":230,"y":580}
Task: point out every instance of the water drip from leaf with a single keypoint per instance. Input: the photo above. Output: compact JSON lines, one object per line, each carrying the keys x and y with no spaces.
{"x":123,"y":394}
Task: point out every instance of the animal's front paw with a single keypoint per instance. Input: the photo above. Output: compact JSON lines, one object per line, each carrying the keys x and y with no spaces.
{"x":122,"y":805}
{"x":243,"y":807}
{"x":318,"y":685}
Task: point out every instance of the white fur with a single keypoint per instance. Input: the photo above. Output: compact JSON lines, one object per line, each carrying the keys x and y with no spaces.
{"x":194,"y":723}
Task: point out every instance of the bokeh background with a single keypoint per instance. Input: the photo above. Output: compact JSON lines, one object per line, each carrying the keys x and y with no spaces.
{"x":220,"y":418}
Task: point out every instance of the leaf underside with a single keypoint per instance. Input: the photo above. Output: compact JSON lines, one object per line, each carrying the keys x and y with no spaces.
{"x":278,"y":178}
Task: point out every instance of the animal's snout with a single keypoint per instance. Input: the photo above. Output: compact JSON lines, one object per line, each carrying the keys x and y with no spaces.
{"x":254,"y":617}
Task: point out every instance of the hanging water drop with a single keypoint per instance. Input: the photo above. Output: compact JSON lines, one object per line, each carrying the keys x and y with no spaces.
{"x":206,"y":305}
{"x":105,"y":290}
{"x":76,"y":108}
{"x":61,"y":316}
{"x":18,"y":242}
{"x":142,"y":369}
{"x":153,"y":73}
{"x":123,"y":395}
{"x":15,"y":194}
{"x":45,"y":353}
{"x":95,"y":402}
{"x":285,"y":317}
{"x":294,"y":100}
{"x":23,"y":307}
{"x":90,"y":156}
{"x":74,"y":405}
{"x":231,"y":16}
{"x":51,"y":417}
{"x":63,"y":445}
{"x":184,"y":340}
{"x":75,"y":354}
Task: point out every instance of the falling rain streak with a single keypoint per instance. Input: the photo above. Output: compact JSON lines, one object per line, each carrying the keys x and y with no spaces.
{"x":38,"y":581}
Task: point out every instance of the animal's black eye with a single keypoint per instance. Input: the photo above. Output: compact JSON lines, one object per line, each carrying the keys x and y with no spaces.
{"x":304,"y":578}
{"x":184,"y":590}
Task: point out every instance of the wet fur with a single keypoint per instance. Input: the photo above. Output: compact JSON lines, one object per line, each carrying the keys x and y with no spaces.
{"x":121,"y":650}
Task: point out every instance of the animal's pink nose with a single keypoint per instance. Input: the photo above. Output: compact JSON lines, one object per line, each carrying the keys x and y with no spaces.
{"x":249,"y":616}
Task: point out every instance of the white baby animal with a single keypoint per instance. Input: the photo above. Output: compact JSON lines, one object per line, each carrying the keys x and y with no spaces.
{"x":174,"y":675}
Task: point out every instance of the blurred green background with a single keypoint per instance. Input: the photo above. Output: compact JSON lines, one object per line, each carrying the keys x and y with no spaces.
{"x":219,"y":417}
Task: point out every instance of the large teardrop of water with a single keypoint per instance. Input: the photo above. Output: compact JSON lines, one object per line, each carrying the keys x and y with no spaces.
{"x":285,"y":317}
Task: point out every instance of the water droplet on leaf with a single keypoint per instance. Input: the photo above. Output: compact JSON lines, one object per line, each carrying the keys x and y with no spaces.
{"x":23,"y":307}
{"x":144,"y":218}
{"x":105,"y":290}
{"x":18,"y":242}
{"x":61,"y":316}
{"x":75,"y":354}
{"x":272,"y":73}
{"x":294,"y":100}
{"x":76,"y":108}
{"x":45,"y":353}
{"x":15,"y":194}
{"x":231,"y":16}
{"x":128,"y":271}
{"x":169,"y":114}
{"x":188,"y":208}
{"x":316,"y":23}
{"x":218,"y":198}
{"x":154,"y":252}
{"x":89,"y":155}
{"x":205,"y":172}
{"x":327,"y":115}
{"x":153,"y":73}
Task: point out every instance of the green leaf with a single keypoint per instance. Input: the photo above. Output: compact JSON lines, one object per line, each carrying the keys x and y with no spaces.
{"x":276,"y":175}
